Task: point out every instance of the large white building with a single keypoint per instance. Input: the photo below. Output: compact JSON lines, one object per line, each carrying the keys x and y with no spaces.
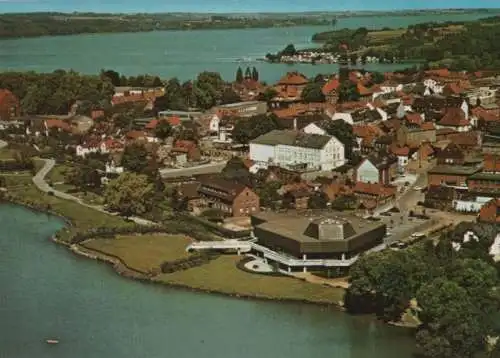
{"x":288,"y":148}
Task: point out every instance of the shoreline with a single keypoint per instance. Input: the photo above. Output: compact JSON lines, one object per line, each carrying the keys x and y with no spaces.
{"x":120,"y":268}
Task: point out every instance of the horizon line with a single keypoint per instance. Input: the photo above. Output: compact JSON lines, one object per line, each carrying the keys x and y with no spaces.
{"x":255,"y":12}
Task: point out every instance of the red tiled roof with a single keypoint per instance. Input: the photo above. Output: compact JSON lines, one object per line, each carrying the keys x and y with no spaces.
{"x":5,"y":93}
{"x":293,"y":78}
{"x":174,"y":121}
{"x":427,"y":126}
{"x":454,"y":117}
{"x":485,"y":115}
{"x":57,"y":123}
{"x":400,"y":151}
{"x":135,"y":134}
{"x":489,"y":211}
{"x":330,"y":86}
{"x":442,"y":72}
{"x":152,"y":124}
{"x":491,"y":163}
{"x":414,"y":118}
{"x":454,"y":88}
{"x":366,"y":131}
{"x":375,"y":189}
{"x":363,"y":91}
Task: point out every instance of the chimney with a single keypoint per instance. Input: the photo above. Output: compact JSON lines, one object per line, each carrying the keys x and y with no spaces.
{"x":295,"y":124}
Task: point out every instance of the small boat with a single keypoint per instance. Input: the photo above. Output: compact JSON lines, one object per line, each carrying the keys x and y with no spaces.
{"x":52,"y":341}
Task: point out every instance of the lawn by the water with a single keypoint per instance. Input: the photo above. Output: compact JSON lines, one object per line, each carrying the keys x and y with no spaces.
{"x":223,"y":276}
{"x":143,"y":252}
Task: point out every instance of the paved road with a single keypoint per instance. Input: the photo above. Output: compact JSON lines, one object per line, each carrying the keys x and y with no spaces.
{"x":201,"y":169}
{"x":39,"y":181}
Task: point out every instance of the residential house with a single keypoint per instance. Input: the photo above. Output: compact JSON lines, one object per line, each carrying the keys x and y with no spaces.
{"x":451,"y":154}
{"x":487,"y":181}
{"x":137,"y":136}
{"x":188,"y":192}
{"x":372,"y":195}
{"x":330,"y":91}
{"x":376,"y":169}
{"x":403,"y":155}
{"x":289,"y":148}
{"x":289,"y":88}
{"x":490,"y":212}
{"x":232,"y":198}
{"x":249,"y":89}
{"x":94,"y":146}
{"x":298,"y":198}
{"x":365,"y":94}
{"x":80,"y":124}
{"x":185,"y":151}
{"x":10,"y":106}
{"x":412,"y":135}
{"x":455,"y":118}
{"x":481,"y":96}
{"x":440,"y":197}
{"x":451,"y":175}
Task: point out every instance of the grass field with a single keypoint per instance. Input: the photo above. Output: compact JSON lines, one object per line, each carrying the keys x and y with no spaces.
{"x":144,"y":252}
{"x":58,"y":173}
{"x":222,"y":275}
{"x":21,"y":179}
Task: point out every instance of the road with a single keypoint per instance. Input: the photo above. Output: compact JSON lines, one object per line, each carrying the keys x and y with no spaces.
{"x":41,"y":184}
{"x":187,"y":172}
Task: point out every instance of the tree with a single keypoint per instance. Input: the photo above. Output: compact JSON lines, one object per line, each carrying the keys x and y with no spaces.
{"x":255,"y":74}
{"x":239,"y":75}
{"x":246,"y":130}
{"x":236,"y":170}
{"x":163,"y":130}
{"x":248,"y":73}
{"x":135,"y":158}
{"x":130,"y":194}
{"x":229,"y":96}
{"x":348,"y":92}
{"x":318,"y":200}
{"x":377,"y":77}
{"x":83,"y":177}
{"x":113,"y":76}
{"x":268,"y":193}
{"x":313,"y":92}
{"x":267,"y":95}
{"x":289,"y":50}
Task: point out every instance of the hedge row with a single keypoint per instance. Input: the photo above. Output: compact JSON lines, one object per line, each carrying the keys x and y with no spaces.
{"x":187,"y":263}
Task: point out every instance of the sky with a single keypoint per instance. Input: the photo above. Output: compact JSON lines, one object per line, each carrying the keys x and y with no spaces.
{"x":233,"y":5}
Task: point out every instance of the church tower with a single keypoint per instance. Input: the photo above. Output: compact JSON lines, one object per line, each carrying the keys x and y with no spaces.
{"x":343,"y":63}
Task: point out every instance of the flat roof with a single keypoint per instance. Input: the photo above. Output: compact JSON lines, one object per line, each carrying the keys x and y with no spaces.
{"x":293,"y":224}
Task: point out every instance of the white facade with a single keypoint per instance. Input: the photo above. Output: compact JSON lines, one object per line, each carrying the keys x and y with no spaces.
{"x":433,"y":86}
{"x":327,"y":158}
{"x":485,"y":95}
{"x":214,"y":124}
{"x":346,"y":117}
{"x":367,"y":172}
{"x":83,"y":150}
{"x":313,"y":128}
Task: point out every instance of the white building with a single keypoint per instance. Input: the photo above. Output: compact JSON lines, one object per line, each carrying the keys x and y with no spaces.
{"x":287,"y":148}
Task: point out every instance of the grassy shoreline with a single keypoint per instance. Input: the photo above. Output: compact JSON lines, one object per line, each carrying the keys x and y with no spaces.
{"x":245,"y":285}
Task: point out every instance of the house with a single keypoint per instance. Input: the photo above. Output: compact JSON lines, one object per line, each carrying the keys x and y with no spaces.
{"x":289,"y":148}
{"x":451,"y":154}
{"x":440,"y":197}
{"x":372,"y":195}
{"x":365,"y":94}
{"x":290,"y":88}
{"x":106,"y":146}
{"x":487,"y":181}
{"x":249,"y":89}
{"x":334,"y":238}
{"x":188,"y":192}
{"x":298,"y":198}
{"x":456,"y":119}
{"x":451,"y":175}
{"x":412,"y":135}
{"x":403,"y":155}
{"x":232,"y":198}
{"x":80,"y":124}
{"x":10,"y":106}
{"x":376,"y":170}
{"x":185,"y":151}
{"x":330,"y":91}
{"x":56,"y":125}
{"x":490,"y":212}
{"x":137,"y":136}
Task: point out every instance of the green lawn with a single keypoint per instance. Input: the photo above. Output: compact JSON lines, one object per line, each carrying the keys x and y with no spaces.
{"x":82,"y":217}
{"x":6,"y":154}
{"x":223,"y":276}
{"x":58,"y":173}
{"x":20,"y":179}
{"x":143,"y":252}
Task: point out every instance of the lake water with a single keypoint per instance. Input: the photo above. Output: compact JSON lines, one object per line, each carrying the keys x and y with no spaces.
{"x":47,"y":292}
{"x":184,"y":54}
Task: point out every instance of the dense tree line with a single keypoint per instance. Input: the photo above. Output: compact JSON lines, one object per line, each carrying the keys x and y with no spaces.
{"x":44,"y":24}
{"x":54,"y":93}
{"x":451,"y":287}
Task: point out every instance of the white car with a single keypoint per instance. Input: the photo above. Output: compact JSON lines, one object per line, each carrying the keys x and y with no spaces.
{"x":417,"y":188}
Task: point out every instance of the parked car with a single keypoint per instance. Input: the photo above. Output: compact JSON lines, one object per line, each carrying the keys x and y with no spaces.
{"x":398,"y":245}
{"x":417,"y":188}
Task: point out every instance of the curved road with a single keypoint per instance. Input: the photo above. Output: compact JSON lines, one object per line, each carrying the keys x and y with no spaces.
{"x":41,"y":184}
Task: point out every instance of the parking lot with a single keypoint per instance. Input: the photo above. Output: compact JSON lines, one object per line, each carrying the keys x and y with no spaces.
{"x":400,"y":226}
